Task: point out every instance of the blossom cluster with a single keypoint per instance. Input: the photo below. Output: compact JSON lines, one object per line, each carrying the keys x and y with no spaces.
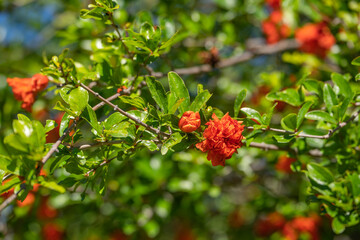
{"x":314,"y":38}
{"x":289,"y":229}
{"x":222,"y":139}
{"x":26,"y":89}
{"x":274,"y":28}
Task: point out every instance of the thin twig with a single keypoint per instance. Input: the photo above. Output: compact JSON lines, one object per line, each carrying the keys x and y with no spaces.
{"x":116,"y":108}
{"x":11,"y":198}
{"x":118,"y":32}
{"x":263,"y":49}
{"x":91,"y":145}
{"x":326,"y":136}
{"x":100,"y":165}
{"x":266,"y":147}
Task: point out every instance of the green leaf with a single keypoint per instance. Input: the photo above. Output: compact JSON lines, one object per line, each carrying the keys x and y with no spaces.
{"x":252,"y":114}
{"x":6,"y":186}
{"x":78,"y":100}
{"x":175,"y":38}
{"x":329,"y":97}
{"x":113,"y":119}
{"x":289,"y":122}
{"x":319,"y":174}
{"x":147,"y":30}
{"x":343,"y":107}
{"x":337,"y":226}
{"x":320,"y":116}
{"x":57,"y":162}
{"x":357,"y":77}
{"x":150,"y":145}
{"x":238,"y":101}
{"x":290,"y":96}
{"x":177,"y":104}
{"x":303,"y":110}
{"x":177,"y":86}
{"x":38,"y":137}
{"x":95,"y":13}
{"x":64,"y":124}
{"x":313,"y":85}
{"x":283,"y":138}
{"x":16,"y":142}
{"x":53,"y":186}
{"x":267,"y":117}
{"x":50,"y":125}
{"x":137,"y":44}
{"x":90,"y":117}
{"x":173,"y":140}
{"x":356,"y":61}
{"x":60,"y":107}
{"x":355,"y":183}
{"x":343,"y":85}
{"x":200,"y":101}
{"x":71,"y":180}
{"x":122,"y":130}
{"x":134,"y":101}
{"x":65,"y":92}
{"x":158,"y":93}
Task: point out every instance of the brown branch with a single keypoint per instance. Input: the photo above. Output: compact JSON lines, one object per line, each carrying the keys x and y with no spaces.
{"x":116,"y":108}
{"x":11,"y":198}
{"x":118,"y":32}
{"x":262,"y":49}
{"x":100,"y":165}
{"x":99,"y":144}
{"x":91,"y":145}
{"x":266,"y":147}
{"x":326,"y":136}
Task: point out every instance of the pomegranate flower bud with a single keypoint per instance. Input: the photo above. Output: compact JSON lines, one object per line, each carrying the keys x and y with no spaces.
{"x":190,"y":121}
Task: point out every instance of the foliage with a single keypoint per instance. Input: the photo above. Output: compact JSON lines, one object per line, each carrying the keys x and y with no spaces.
{"x":102,"y":145}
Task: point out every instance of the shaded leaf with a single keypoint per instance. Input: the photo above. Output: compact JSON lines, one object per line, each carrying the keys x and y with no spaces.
{"x":238,"y":101}
{"x":303,"y":110}
{"x":319,"y":174}
{"x":320,"y":116}
{"x":177,"y":86}
{"x":158,"y":93}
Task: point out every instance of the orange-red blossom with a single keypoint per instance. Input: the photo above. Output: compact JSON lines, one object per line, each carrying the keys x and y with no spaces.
{"x":302,"y":225}
{"x":284,"y":164}
{"x":274,"y":28}
{"x":25,"y":89}
{"x":315,"y":38}
{"x":190,"y":121}
{"x":222,"y":139}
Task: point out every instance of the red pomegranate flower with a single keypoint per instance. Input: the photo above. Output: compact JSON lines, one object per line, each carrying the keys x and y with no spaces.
{"x":52,"y":231}
{"x":28,"y":201}
{"x":190,"y":121}
{"x":302,"y":225}
{"x":25,"y":89}
{"x":269,"y":224}
{"x":274,"y":28}
{"x":284,"y":164}
{"x":315,"y":38}
{"x":275,"y":4}
{"x":222,"y":139}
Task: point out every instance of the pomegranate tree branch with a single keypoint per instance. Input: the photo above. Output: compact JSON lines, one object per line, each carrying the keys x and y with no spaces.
{"x":116,"y":108}
{"x":326,"y":136}
{"x":11,"y":198}
{"x":106,"y":161}
{"x":262,"y":49}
